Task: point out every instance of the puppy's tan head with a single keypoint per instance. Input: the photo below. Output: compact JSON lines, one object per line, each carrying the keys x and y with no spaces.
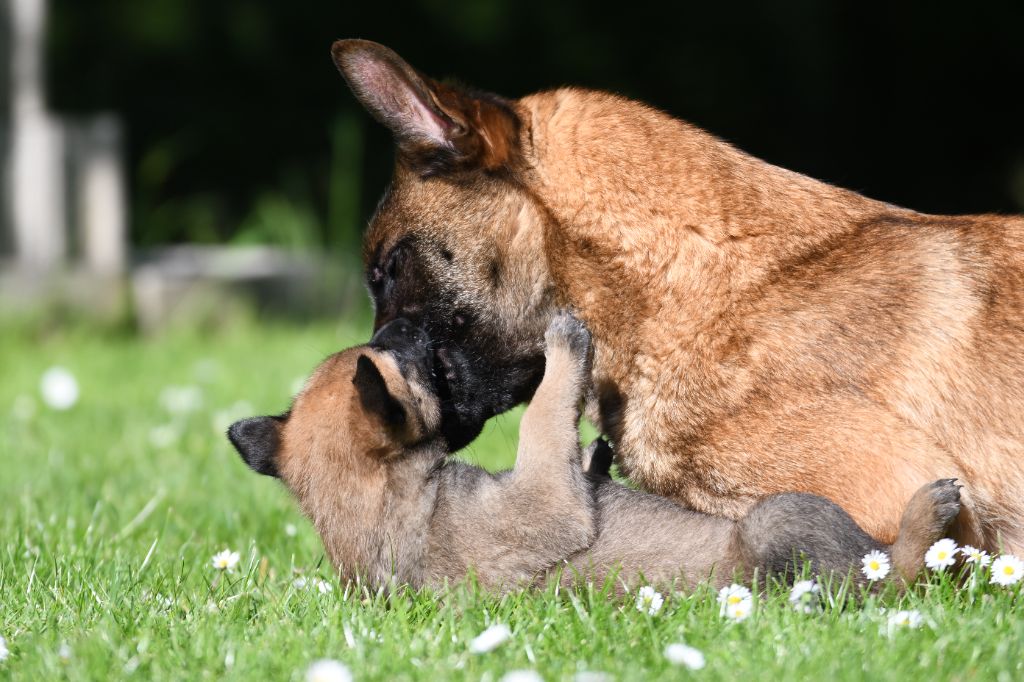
{"x":360,"y":409}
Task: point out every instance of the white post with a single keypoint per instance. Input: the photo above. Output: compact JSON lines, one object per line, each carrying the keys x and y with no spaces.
{"x":102,"y":202}
{"x":36,"y":169}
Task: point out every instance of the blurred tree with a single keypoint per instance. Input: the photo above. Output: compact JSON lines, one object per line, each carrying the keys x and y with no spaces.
{"x":230,"y":100}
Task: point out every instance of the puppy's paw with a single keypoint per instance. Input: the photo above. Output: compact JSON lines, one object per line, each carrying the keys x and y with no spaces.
{"x":945,"y":498}
{"x":568,"y":332}
{"x":927,"y":518}
{"x":933,"y":508}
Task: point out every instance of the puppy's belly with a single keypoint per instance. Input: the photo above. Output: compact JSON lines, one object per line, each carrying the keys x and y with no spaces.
{"x":645,"y":536}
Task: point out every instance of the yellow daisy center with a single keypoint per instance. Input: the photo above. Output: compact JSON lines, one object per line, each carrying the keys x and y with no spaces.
{"x":1007,"y":570}
{"x":942,"y":555}
{"x":735,"y":599}
{"x":874,"y":565}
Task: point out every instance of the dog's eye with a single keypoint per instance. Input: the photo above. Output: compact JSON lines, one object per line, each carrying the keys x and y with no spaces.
{"x":393,"y":261}
{"x":376,"y":275}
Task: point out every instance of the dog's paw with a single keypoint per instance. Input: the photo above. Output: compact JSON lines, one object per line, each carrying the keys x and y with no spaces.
{"x":567,"y":331}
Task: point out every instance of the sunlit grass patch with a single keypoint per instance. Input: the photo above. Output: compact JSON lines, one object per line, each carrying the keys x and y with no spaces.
{"x":115,"y":507}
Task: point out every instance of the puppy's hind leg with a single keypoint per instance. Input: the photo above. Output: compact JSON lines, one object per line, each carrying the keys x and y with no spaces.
{"x":782,"y":531}
{"x":926,"y":519}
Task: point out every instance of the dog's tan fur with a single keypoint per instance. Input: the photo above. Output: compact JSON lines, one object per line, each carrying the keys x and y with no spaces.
{"x":757,"y":331}
{"x":390,"y":509}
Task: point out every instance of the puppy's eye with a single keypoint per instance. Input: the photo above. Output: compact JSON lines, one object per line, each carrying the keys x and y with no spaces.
{"x":376,"y":275}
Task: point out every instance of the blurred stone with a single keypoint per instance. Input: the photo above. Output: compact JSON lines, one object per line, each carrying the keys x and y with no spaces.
{"x":189,"y":285}
{"x":193,"y":284}
{"x":26,"y":289}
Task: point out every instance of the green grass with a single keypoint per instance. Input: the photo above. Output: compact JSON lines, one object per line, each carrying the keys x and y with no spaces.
{"x":111,"y":512}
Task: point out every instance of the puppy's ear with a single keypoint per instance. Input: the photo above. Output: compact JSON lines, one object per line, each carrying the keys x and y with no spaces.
{"x":437,"y":127}
{"x":374,"y":394}
{"x":257,"y":440}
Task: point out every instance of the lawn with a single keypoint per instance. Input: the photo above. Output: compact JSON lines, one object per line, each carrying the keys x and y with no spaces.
{"x":114,"y":508}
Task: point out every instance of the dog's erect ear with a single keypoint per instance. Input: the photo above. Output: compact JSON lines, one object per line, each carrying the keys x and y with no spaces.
{"x":437,"y":127}
{"x":257,"y":440}
{"x":374,"y":394}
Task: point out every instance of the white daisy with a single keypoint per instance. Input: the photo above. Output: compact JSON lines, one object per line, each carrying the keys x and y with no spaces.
{"x":4,"y":651}
{"x":973,"y":555}
{"x":225,"y":560}
{"x":64,"y":653}
{"x":682,"y":654}
{"x":732,"y":595}
{"x":521,"y":676}
{"x":324,"y":587}
{"x":941,"y":555}
{"x":740,"y":610}
{"x":59,"y":388}
{"x":647,"y":599}
{"x":905,"y":619}
{"x":490,"y":639}
{"x":300,"y":583}
{"x":1007,"y":570}
{"x":876,"y":565}
{"x":291,"y":530}
{"x":327,"y":670}
{"x":805,"y":596}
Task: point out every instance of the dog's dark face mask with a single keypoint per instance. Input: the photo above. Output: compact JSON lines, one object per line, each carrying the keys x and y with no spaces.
{"x":478,"y":371}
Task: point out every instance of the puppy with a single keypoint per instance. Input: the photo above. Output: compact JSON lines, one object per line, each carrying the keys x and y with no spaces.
{"x":362,"y":451}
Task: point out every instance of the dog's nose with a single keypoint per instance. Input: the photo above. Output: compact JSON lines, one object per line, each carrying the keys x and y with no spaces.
{"x":398,"y":330}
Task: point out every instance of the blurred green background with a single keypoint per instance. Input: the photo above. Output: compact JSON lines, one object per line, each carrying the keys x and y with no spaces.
{"x":240,"y":129}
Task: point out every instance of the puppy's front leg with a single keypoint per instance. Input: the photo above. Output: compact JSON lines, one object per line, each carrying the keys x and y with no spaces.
{"x":549,"y":431}
{"x":543,"y":511}
{"x":548,"y":482}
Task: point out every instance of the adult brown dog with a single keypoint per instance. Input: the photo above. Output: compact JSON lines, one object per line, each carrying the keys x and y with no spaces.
{"x":756,"y":331}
